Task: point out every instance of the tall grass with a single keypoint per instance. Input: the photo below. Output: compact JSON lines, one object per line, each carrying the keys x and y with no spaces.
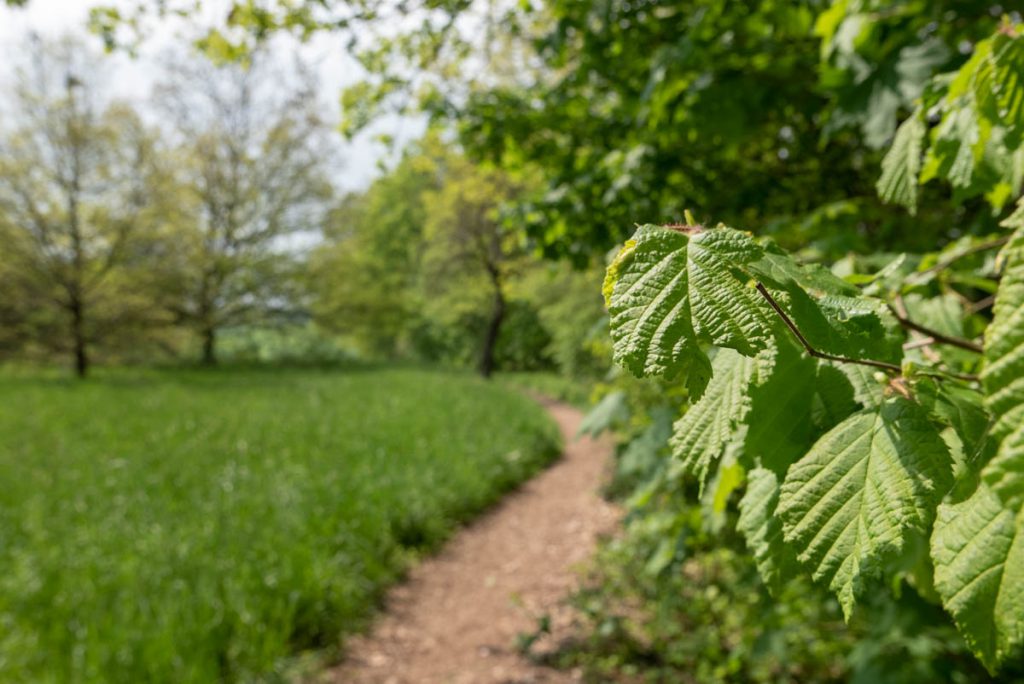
{"x":199,"y":526}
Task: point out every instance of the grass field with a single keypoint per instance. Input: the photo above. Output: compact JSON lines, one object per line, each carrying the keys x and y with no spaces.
{"x":195,"y":526}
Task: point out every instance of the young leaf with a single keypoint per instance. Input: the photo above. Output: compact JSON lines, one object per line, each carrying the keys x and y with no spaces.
{"x":978,"y":551}
{"x":999,"y":82}
{"x":902,"y":164}
{"x":669,"y":289}
{"x":849,"y":502}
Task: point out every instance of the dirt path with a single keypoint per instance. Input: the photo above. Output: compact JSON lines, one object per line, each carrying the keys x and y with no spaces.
{"x":456,"y":619}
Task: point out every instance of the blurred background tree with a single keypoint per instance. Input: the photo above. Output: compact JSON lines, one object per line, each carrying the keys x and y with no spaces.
{"x":77,"y":177}
{"x":251,"y":159}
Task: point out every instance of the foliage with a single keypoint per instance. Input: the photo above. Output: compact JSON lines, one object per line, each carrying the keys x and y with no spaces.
{"x":623,"y":110}
{"x":878,"y":56}
{"x":467,"y":250}
{"x":364,"y":277}
{"x":418,"y":264}
{"x":700,"y":613}
{"x":251,"y":171}
{"x":852,"y":497}
{"x":121,"y":238}
{"x":285,"y":344}
{"x":865,"y":464}
{"x":917,"y":454}
{"x":858,"y":421}
{"x":187,"y":526}
{"x":975,"y":144}
{"x":77,"y":182}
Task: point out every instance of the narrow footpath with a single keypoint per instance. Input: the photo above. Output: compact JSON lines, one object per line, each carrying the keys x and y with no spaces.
{"x":457,"y":617}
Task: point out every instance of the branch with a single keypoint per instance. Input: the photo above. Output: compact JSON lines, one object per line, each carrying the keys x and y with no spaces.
{"x":917,"y":344}
{"x":916,"y":278}
{"x":811,"y":350}
{"x":981,"y":304}
{"x":942,"y":375}
{"x":935,"y":334}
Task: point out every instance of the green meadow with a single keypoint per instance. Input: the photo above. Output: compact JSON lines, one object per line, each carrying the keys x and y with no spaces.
{"x":185,"y":526}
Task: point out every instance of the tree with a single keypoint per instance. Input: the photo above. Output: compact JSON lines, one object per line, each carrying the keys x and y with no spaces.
{"x":365,"y":275}
{"x":252,"y":155}
{"x":468,"y":247}
{"x":624,"y":111}
{"x":74,"y":179}
{"x":421,"y":264}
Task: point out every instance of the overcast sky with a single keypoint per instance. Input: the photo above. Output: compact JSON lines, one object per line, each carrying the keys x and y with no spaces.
{"x":132,"y":79}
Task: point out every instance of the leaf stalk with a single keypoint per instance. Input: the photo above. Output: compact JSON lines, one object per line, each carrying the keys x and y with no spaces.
{"x":891,"y":367}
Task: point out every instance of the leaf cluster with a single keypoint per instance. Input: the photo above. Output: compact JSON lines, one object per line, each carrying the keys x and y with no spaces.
{"x":856,"y":451}
{"x":966,"y":129}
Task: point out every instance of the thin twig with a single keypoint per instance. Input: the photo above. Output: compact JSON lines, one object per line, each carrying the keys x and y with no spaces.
{"x":941,"y":374}
{"x":981,"y":304}
{"x":935,"y":334}
{"x":918,"y":343}
{"x":940,"y":338}
{"x":893,"y":368}
{"x":915,"y":278}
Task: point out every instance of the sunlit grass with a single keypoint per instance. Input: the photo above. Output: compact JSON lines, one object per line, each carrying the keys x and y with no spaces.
{"x":199,"y":526}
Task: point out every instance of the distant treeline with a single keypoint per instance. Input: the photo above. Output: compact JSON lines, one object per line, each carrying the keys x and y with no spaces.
{"x":138,"y":233}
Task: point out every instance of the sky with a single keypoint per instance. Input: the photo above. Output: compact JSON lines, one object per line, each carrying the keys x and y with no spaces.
{"x":132,"y":79}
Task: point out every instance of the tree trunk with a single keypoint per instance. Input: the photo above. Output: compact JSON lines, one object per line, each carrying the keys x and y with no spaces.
{"x":209,"y":346}
{"x":78,"y":340}
{"x":491,"y":338}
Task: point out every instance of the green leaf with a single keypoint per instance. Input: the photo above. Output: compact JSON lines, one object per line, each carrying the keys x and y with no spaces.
{"x":669,"y":289}
{"x":779,"y":426}
{"x":829,"y":311}
{"x":944,"y":312}
{"x":608,"y":413}
{"x":778,"y":270}
{"x":1005,"y":472}
{"x":978,"y":551}
{"x":902,"y":164}
{"x":957,"y":148}
{"x":867,"y":390}
{"x":1003,"y":374}
{"x":645,"y":453}
{"x":1016,"y":218}
{"x":848,"y":503}
{"x":833,"y":397}
{"x":959,"y":407}
{"x":1003,"y":377}
{"x":672,"y":289}
{"x":999,"y":82}
{"x":852,"y":327}
{"x":703,"y":432}
{"x":763,"y":529}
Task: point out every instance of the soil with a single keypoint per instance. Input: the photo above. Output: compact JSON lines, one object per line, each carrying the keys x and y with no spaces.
{"x":459,"y":616}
